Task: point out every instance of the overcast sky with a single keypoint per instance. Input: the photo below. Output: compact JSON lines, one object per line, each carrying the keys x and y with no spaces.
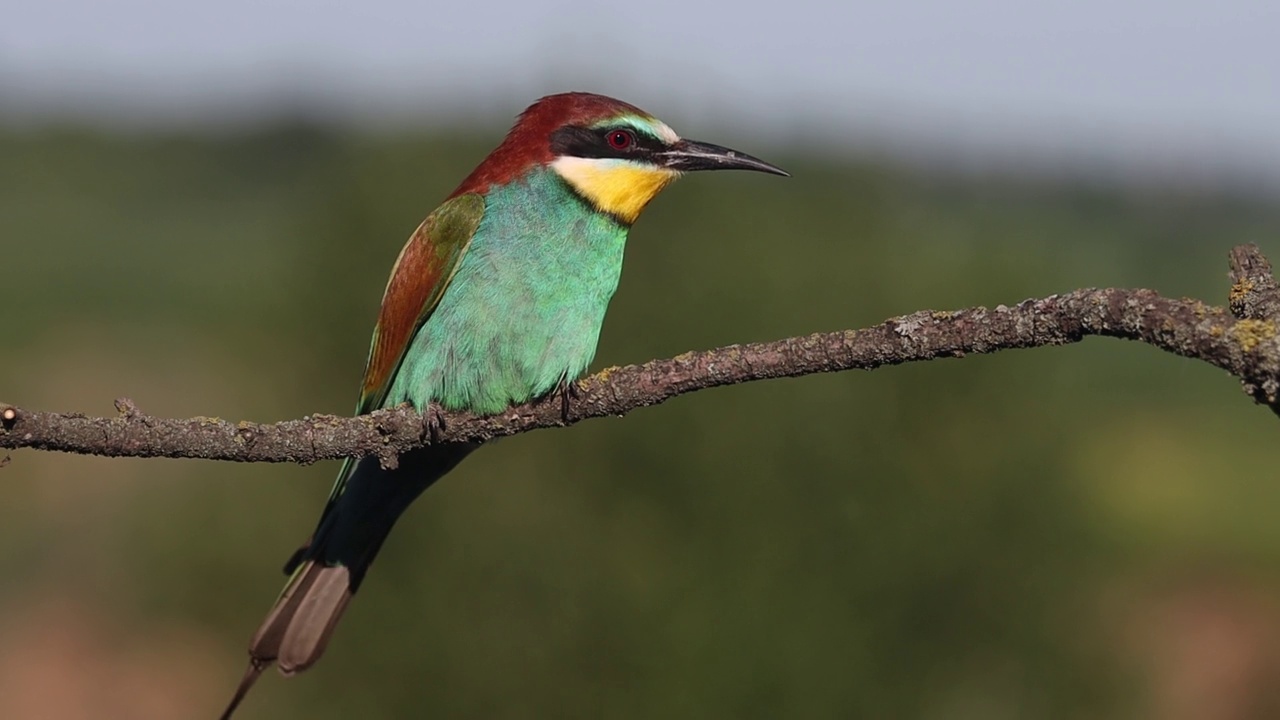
{"x":1174,"y":82}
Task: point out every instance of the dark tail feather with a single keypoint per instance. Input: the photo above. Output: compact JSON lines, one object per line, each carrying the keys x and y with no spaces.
{"x":327,"y":571}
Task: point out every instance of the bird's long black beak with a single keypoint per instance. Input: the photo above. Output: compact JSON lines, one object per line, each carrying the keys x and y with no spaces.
{"x":689,"y":155}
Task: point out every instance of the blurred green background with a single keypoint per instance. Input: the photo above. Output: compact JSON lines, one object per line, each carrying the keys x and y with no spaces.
{"x":1076,"y":532}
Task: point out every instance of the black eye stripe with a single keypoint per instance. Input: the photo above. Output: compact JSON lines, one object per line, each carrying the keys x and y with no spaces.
{"x":594,"y":143}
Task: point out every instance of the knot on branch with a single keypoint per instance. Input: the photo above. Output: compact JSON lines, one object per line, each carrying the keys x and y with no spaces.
{"x":126,"y":408}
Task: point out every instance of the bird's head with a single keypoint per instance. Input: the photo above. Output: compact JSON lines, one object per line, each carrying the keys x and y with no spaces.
{"x":614,"y":154}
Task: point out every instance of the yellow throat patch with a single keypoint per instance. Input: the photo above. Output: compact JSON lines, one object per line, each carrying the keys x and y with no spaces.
{"x":618,"y":187}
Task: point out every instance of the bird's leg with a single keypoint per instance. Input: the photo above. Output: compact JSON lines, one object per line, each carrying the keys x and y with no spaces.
{"x":568,"y":391}
{"x":435,"y":422}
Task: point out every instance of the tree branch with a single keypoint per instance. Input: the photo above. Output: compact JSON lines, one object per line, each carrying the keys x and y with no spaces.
{"x":1255,"y":296}
{"x":1243,"y":341}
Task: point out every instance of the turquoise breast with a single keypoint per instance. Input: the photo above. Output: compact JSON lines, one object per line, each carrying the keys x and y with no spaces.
{"x":526,"y":305}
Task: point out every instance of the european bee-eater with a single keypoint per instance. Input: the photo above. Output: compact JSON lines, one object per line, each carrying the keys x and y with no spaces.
{"x":496,"y":299}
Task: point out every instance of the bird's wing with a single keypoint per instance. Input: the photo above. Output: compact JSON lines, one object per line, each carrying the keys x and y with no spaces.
{"x":418,"y":280}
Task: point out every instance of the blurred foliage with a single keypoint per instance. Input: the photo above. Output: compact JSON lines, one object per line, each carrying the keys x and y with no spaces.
{"x":1042,"y":534}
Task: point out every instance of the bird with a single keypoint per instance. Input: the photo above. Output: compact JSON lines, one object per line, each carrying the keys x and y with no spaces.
{"x":496,"y":299}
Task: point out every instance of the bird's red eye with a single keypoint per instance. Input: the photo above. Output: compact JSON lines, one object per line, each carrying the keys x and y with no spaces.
{"x":620,"y":139}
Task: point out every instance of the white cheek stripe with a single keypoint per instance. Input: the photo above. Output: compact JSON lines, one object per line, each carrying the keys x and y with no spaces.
{"x":571,"y":167}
